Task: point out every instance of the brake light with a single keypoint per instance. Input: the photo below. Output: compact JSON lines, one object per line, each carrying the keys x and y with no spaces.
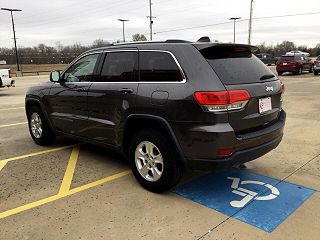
{"x":10,"y":73}
{"x":316,"y":62}
{"x":282,"y":88}
{"x":223,"y":100}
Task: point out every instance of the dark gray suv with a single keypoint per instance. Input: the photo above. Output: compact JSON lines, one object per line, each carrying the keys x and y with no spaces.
{"x":165,"y":105}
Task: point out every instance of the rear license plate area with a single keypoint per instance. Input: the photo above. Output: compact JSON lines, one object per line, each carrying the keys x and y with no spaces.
{"x":265,"y":105}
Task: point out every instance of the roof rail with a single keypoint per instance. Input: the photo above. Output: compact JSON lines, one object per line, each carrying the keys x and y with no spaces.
{"x":176,"y":41}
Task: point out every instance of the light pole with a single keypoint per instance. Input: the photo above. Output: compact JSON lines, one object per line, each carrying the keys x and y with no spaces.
{"x":14,"y":33}
{"x":250,"y":22}
{"x":234,"y":27}
{"x":123,"y":20}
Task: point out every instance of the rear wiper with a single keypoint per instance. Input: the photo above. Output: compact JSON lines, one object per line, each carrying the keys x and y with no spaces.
{"x":267,"y":76}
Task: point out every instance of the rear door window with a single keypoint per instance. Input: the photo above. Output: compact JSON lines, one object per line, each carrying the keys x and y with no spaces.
{"x":158,"y":67}
{"x":119,"y":67}
{"x":236,"y":65}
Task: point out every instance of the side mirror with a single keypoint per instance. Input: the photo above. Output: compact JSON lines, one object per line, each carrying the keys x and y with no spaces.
{"x":55,"y":76}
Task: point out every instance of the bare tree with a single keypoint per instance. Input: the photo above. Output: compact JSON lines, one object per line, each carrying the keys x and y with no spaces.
{"x":138,"y":37}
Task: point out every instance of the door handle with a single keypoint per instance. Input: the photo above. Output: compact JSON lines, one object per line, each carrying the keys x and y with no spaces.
{"x":126,"y":90}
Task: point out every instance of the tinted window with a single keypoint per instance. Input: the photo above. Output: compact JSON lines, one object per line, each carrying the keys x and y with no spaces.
{"x":82,"y":70}
{"x":158,"y":67}
{"x":287,"y":58}
{"x":235,"y":65}
{"x":118,"y":67}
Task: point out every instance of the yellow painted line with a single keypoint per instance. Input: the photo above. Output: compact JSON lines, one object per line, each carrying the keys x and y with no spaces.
{"x":7,"y":109}
{"x":28,"y":206}
{"x":59,"y":196}
{"x":14,"y":124}
{"x":37,"y":153}
{"x":2,"y":164}
{"x":67,"y":179}
{"x":99,"y":182}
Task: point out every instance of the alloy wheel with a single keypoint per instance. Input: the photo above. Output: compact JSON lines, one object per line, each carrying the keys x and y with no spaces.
{"x":36,"y":125}
{"x":149,"y":161}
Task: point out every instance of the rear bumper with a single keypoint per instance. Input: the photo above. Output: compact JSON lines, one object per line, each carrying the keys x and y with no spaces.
{"x":287,"y":69}
{"x":200,"y":144}
{"x":237,"y":158}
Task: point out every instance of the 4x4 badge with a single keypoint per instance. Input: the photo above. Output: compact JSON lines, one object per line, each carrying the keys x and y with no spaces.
{"x":269,"y":89}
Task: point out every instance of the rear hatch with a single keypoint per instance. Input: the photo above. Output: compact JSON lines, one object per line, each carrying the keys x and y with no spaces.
{"x":239,"y":69}
{"x":287,"y":61}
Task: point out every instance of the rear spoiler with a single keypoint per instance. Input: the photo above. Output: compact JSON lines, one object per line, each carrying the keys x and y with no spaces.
{"x":203,"y":46}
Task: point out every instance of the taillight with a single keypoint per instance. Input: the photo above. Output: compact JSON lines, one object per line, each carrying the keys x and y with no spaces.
{"x":282,"y":88}
{"x":223,"y":100}
{"x":10,"y":73}
{"x":316,"y":62}
{"x":222,"y":152}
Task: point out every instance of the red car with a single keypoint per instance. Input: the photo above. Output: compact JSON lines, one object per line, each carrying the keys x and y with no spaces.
{"x":294,"y":63}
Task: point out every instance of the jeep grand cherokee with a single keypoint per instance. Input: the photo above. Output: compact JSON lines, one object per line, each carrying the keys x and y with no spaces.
{"x":165,"y":105}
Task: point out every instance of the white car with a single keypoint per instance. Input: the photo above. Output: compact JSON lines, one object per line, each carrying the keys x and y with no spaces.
{"x":296,"y":52}
{"x":6,"y":79}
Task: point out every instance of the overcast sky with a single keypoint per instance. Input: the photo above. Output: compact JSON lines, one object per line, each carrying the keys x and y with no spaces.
{"x":71,"y":21}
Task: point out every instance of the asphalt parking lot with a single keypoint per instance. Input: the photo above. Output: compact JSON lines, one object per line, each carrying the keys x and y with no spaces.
{"x":79,"y":191}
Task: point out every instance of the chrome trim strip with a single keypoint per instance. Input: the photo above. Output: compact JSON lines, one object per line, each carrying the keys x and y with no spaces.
{"x":184,"y":79}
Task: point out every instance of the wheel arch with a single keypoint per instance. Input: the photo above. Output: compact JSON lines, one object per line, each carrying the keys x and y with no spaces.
{"x":137,"y":122}
{"x":30,"y":102}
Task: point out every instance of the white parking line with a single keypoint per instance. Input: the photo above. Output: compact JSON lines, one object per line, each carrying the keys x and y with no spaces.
{"x":8,"y":109}
{"x":14,"y":124}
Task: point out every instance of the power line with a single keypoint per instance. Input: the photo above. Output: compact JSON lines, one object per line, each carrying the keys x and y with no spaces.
{"x":76,"y":7}
{"x":243,"y":20}
{"x":98,"y":12}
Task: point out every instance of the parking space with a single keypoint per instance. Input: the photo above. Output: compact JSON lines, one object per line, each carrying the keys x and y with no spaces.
{"x":79,"y":191}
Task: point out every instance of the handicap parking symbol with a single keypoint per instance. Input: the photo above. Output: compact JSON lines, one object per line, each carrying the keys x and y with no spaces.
{"x":250,"y":195}
{"x":258,"y":200}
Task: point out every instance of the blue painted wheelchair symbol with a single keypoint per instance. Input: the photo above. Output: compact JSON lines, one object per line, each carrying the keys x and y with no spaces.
{"x":258,"y":200}
{"x":249,"y":195}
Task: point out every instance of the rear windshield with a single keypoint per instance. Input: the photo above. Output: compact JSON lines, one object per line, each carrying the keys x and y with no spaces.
{"x":287,"y":58}
{"x":318,"y":58}
{"x":236,"y":65}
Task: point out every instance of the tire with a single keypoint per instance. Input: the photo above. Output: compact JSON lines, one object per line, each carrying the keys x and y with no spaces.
{"x":280,"y":73}
{"x":144,"y":165}
{"x":311,"y":69}
{"x":315,"y":73}
{"x":39,"y":128}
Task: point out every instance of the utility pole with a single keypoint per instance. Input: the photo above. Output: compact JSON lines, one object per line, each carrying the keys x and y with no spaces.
{"x":123,"y":35}
{"x":234,"y":27}
{"x":151,"y":19}
{"x":250,"y":22}
{"x":14,"y":33}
